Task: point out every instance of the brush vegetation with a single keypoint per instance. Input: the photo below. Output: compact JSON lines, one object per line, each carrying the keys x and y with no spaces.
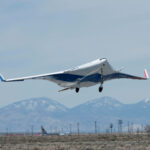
{"x":77,"y":142}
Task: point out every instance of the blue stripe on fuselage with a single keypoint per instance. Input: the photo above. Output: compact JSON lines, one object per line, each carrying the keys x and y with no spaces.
{"x":91,"y":78}
{"x":67,"y":77}
{"x":72,"y":78}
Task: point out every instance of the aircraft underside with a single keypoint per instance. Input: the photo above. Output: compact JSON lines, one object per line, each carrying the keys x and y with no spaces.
{"x":70,"y":81}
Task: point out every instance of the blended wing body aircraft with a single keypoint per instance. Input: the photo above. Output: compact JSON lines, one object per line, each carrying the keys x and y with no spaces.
{"x":90,"y":74}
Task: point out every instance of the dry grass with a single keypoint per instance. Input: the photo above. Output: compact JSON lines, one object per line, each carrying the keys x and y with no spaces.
{"x":75,"y":142}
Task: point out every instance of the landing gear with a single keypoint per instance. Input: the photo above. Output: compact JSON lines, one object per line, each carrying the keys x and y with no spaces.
{"x":77,"y":90}
{"x":102,"y":81}
{"x":100,"y":89}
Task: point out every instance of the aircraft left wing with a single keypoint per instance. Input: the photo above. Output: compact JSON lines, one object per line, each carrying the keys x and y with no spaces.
{"x":128,"y":76}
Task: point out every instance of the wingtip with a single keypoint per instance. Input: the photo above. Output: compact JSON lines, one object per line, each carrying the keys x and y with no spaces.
{"x":2,"y":78}
{"x":146,"y":74}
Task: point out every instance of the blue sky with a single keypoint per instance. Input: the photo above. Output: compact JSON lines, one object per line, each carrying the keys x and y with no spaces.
{"x":47,"y":36}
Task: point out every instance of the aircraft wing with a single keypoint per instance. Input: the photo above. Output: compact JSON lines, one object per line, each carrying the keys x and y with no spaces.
{"x":119,"y":75}
{"x":42,"y":76}
{"x":136,"y":77}
{"x":128,"y":76}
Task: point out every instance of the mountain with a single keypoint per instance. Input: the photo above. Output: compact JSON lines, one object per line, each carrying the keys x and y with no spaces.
{"x":23,"y":115}
{"x":20,"y":116}
{"x":108,"y":110}
{"x":140,"y":110}
{"x":98,"y":109}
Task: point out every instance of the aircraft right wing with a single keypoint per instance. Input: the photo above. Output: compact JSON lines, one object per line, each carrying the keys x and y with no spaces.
{"x":42,"y":76}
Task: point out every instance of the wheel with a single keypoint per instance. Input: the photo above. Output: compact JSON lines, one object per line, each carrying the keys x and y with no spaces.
{"x":77,"y":90}
{"x":100,"y":89}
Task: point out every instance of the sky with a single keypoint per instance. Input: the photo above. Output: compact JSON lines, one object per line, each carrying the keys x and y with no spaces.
{"x":43,"y":36}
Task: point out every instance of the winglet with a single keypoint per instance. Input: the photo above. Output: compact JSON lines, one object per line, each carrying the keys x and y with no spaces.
{"x":2,"y":78}
{"x":146,"y":74}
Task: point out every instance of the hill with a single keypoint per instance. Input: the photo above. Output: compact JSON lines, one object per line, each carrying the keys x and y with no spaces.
{"x":20,"y":116}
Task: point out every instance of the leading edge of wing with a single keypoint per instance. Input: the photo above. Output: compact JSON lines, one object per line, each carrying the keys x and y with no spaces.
{"x":41,"y":76}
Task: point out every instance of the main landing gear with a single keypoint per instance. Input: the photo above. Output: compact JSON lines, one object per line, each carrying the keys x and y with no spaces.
{"x":77,"y":90}
{"x":102,"y":81}
{"x":100,"y":89}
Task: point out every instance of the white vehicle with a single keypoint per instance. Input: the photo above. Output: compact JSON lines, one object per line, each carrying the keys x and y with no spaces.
{"x":90,"y":74}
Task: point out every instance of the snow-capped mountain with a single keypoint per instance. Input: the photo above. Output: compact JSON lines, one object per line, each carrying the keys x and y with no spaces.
{"x":20,"y":116}
{"x":104,"y":110}
{"x":108,"y":110}
{"x":104,"y":101}
{"x":140,"y":110}
{"x":36,"y":104}
{"x":37,"y":111}
{"x":147,"y":100}
{"x":98,"y":108}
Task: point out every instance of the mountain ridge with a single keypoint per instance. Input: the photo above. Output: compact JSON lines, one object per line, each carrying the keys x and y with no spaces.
{"x":21,"y":115}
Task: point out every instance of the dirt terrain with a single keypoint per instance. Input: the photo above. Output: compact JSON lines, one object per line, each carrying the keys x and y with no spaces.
{"x":75,"y":142}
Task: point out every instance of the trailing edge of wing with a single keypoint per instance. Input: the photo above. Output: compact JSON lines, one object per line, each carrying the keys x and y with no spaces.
{"x":123,"y":75}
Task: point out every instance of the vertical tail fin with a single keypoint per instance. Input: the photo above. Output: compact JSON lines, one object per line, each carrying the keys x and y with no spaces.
{"x":146,"y":74}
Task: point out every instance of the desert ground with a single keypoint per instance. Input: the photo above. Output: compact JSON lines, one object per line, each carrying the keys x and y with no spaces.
{"x":77,"y":142}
